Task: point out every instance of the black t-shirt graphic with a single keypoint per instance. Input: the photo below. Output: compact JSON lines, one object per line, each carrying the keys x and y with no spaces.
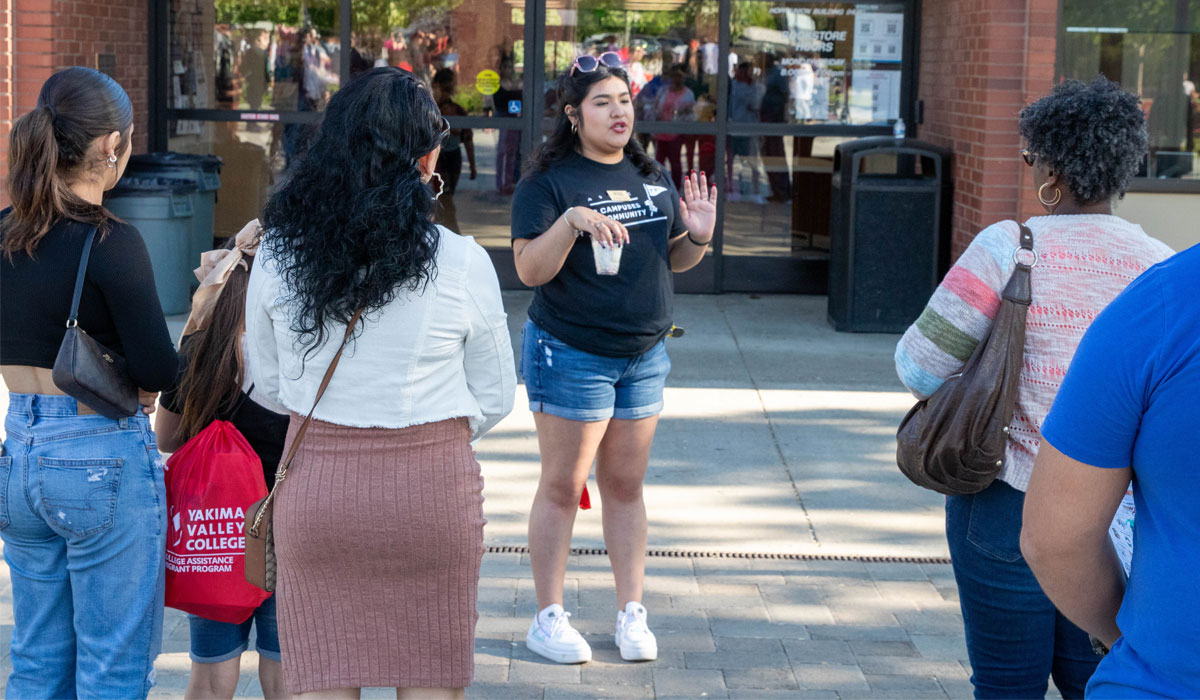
{"x":621,"y":315}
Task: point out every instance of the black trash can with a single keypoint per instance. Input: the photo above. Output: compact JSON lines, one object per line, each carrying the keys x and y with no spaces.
{"x":161,"y":210}
{"x":205,"y":171}
{"x":889,"y":232}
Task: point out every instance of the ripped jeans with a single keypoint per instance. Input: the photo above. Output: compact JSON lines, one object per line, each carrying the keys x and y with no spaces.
{"x":83,"y":518}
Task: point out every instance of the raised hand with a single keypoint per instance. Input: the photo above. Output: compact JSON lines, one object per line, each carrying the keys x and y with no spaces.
{"x":698,"y":207}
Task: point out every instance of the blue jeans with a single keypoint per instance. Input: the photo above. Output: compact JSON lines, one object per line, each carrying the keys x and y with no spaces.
{"x":83,"y":518}
{"x":570,"y":383}
{"x":1015,"y":637}
{"x":213,"y":642}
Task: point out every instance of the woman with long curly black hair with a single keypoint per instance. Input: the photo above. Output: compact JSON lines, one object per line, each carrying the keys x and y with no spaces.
{"x":594,"y":357}
{"x":1083,"y":143}
{"x":379,"y":524}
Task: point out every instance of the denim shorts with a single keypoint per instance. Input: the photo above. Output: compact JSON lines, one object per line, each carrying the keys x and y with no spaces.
{"x":214,"y":642}
{"x":569,"y":383}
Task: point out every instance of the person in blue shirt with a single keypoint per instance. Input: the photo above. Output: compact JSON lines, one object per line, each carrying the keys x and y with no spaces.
{"x":1128,"y":410}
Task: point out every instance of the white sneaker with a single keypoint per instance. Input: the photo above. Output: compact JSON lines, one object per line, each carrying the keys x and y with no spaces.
{"x":634,"y":638}
{"x":551,"y":635}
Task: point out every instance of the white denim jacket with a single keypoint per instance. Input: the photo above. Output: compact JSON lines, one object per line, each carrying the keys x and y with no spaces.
{"x":443,"y":352}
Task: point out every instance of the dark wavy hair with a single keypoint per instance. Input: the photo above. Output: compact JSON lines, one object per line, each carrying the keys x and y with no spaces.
{"x":51,"y":147}
{"x":1092,"y":134}
{"x":352,"y":225}
{"x":562,"y":142}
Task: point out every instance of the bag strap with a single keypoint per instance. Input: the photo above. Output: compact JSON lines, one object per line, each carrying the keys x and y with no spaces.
{"x":282,"y":470}
{"x":73,"y":318}
{"x":1018,"y":289}
{"x":287,"y":461}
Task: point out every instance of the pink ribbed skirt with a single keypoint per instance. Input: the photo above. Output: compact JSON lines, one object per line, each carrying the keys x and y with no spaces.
{"x":379,"y":536}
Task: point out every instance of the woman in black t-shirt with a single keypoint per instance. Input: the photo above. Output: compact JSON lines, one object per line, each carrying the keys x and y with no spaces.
{"x":593,"y":357}
{"x":81,"y":494}
{"x":218,"y":384}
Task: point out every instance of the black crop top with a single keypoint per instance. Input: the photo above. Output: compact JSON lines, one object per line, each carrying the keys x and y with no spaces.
{"x":119,"y":306}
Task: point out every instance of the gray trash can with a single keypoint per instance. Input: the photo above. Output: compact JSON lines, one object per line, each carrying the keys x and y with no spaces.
{"x":161,"y":209}
{"x":889,"y":232}
{"x":205,"y":171}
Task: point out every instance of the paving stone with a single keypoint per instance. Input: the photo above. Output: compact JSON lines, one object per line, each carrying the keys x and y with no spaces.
{"x":502,"y":691}
{"x":729,"y":590}
{"x":849,"y":632}
{"x":800,"y":614}
{"x":752,"y":623}
{"x":931,"y":622}
{"x":491,"y":673}
{"x":891,"y":695}
{"x":569,"y":692}
{"x":769,"y":678}
{"x":689,"y":683}
{"x":797,"y":694}
{"x":958,"y":689}
{"x":543,"y":671}
{"x":491,"y":651}
{"x":813,"y":651}
{"x":792,"y":594}
{"x":754,"y":578}
{"x":863,"y":614}
{"x":896,"y":571}
{"x":918,"y":683}
{"x":839,"y":677}
{"x":739,"y":653}
{"x":684,"y":640}
{"x":912,"y":593}
{"x":707,"y":602}
{"x":907,"y":666}
{"x":624,"y":673}
{"x":863,"y":647}
{"x":940,"y":646}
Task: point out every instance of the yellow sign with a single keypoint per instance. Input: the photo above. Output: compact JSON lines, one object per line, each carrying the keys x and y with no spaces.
{"x":487,"y":82}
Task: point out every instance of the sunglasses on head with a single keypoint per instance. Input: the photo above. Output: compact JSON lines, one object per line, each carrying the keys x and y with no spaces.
{"x":445,"y":130}
{"x":588,"y":63}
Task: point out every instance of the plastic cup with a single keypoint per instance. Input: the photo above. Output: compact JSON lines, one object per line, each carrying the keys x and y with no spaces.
{"x":608,"y":260}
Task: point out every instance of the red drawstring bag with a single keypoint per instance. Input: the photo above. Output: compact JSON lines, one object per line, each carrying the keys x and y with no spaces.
{"x":211,"y":481}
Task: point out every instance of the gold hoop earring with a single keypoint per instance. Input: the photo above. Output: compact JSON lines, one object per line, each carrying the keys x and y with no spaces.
{"x":1042,"y":197}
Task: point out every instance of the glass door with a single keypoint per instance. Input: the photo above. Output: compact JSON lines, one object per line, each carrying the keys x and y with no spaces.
{"x":803,"y":77}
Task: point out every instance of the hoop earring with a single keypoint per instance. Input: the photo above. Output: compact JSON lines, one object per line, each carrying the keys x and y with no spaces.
{"x":441,"y":187}
{"x":574,"y":127}
{"x":1042,"y":198}
{"x":112,"y":160}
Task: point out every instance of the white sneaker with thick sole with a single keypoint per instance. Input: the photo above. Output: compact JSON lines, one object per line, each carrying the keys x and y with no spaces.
{"x":634,"y":638}
{"x":551,"y":635}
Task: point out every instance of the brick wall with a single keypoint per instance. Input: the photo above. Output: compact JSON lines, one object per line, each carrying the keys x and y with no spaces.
{"x":980,"y":62}
{"x":38,"y":37}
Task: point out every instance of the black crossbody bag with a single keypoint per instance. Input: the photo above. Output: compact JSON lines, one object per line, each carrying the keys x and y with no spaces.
{"x":85,"y":370}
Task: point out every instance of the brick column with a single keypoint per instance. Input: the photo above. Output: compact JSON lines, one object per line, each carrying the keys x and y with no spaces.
{"x":38,"y":37}
{"x":980,"y":62}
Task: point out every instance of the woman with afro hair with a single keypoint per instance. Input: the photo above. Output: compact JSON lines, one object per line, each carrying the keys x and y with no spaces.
{"x":1084,"y":142}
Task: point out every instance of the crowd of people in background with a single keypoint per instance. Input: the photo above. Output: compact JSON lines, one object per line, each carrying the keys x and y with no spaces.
{"x":369,"y":344}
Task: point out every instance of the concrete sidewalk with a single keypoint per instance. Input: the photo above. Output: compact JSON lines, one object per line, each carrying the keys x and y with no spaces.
{"x":785,"y":540}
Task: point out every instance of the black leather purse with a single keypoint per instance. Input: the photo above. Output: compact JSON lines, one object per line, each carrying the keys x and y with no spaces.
{"x":85,"y":370}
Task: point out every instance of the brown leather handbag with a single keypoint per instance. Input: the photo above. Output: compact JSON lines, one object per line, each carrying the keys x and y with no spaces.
{"x":261,"y":566}
{"x":954,"y":442}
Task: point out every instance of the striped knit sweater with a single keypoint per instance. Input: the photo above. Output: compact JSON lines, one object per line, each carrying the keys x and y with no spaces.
{"x":1084,"y":262}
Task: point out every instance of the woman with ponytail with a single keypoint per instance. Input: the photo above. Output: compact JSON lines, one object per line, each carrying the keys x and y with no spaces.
{"x":82,"y":510}
{"x":379,"y":523}
{"x":594,"y":356}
